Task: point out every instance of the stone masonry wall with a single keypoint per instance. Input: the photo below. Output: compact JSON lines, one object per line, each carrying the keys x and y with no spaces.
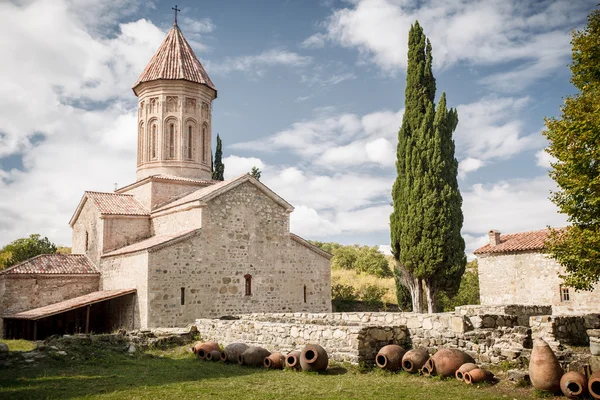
{"x":122,"y":231}
{"x":88,"y":221}
{"x":528,"y":278}
{"x":177,"y":222}
{"x":244,"y":232}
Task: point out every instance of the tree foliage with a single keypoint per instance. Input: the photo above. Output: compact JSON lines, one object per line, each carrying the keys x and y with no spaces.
{"x":25,"y":248}
{"x":256,"y":173}
{"x":575,"y":145}
{"x":427,"y":217}
{"x":219,"y":167}
{"x":468,"y":292}
{"x":362,"y":259}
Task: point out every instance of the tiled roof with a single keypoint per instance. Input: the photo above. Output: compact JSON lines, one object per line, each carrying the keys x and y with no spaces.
{"x":54,"y":264}
{"x":512,"y":242}
{"x":149,"y":243}
{"x":208,"y":192}
{"x":175,"y":59}
{"x":76,"y":302}
{"x":198,"y":182}
{"x":116,"y":204}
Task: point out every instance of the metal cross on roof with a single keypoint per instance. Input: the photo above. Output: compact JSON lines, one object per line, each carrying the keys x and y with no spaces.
{"x":176,"y":10}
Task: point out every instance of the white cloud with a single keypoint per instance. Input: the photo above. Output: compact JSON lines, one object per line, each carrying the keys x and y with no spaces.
{"x":306,"y":222}
{"x":236,"y":166}
{"x":543,"y":159}
{"x":385,"y":249}
{"x":316,"y":41}
{"x":510,"y":206}
{"x":468,"y":165}
{"x":537,"y":34}
{"x":256,"y":65}
{"x":472,"y":243}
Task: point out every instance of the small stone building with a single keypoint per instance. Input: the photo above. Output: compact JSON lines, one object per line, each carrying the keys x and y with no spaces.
{"x":513,"y":269}
{"x":181,"y":245}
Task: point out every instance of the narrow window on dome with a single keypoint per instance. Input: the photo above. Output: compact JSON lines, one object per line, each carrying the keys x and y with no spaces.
{"x":203,"y":143}
{"x":172,"y":141}
{"x":189,"y":143}
{"x":153,"y":144}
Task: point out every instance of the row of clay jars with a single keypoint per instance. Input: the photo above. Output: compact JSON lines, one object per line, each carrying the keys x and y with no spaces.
{"x":203,"y":349}
{"x":445,"y":362}
{"x":470,"y":373}
{"x":253,"y":356}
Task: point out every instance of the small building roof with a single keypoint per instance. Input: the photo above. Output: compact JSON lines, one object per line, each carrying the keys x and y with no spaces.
{"x":111,"y":204}
{"x":514,"y":242}
{"x":67,"y":305}
{"x":167,"y":178}
{"x":175,"y":59}
{"x":153,"y":242}
{"x":311,"y":246}
{"x":210,"y":192}
{"x":54,"y":264}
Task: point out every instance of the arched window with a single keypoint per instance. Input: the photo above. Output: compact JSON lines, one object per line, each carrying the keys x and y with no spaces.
{"x":170,"y":138}
{"x":204,"y":110}
{"x":153,"y":141}
{"x":248,"y":279}
{"x":190,"y":139}
{"x":204,"y":133}
{"x":141,"y":144}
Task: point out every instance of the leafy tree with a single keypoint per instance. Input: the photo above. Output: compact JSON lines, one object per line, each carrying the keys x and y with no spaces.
{"x":371,"y":261}
{"x":255,"y":172}
{"x":344,"y":257}
{"x":25,"y":248}
{"x":426,"y":220}
{"x":326,"y":246}
{"x":219,"y":167}
{"x":468,"y":292}
{"x":575,"y":145}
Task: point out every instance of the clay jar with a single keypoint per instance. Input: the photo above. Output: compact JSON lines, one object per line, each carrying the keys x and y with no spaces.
{"x":594,"y":385}
{"x":253,"y":356}
{"x":214,"y":355}
{"x":292,"y":360}
{"x":274,"y":361}
{"x":314,"y":358}
{"x":414,"y":360}
{"x":544,"y":370}
{"x":390,"y":357}
{"x":478,"y":375}
{"x":573,"y":384}
{"x":234,"y":350}
{"x":460,"y":373}
{"x":206,"y":348}
{"x":446,"y":362}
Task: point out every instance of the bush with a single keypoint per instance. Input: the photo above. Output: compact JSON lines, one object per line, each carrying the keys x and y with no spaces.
{"x":468,"y":293}
{"x":372,"y":294}
{"x":341,"y":292}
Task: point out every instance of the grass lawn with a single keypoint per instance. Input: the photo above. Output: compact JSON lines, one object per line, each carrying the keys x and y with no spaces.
{"x":18,"y":345}
{"x":176,"y":374}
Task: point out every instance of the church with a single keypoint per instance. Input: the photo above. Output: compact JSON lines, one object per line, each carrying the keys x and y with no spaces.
{"x":174,"y":245}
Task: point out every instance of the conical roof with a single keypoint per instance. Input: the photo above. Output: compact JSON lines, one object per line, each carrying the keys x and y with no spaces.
{"x":175,"y":59}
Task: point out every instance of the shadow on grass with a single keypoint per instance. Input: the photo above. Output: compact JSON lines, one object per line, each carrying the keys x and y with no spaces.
{"x":65,"y":379}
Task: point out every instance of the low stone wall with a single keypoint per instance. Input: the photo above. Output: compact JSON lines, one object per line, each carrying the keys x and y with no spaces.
{"x":561,"y":330}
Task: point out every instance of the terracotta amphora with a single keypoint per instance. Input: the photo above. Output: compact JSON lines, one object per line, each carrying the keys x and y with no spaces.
{"x":478,"y":375}
{"x":460,"y":373}
{"x":390,"y":357}
{"x":594,"y":385}
{"x":445,"y":362}
{"x":206,"y":348}
{"x":234,"y":350}
{"x":314,"y":358}
{"x":414,"y":360}
{"x":274,"y":361}
{"x":254,"y":356}
{"x":214,"y":355}
{"x":292,"y":360}
{"x":544,"y":370}
{"x":573,"y":384}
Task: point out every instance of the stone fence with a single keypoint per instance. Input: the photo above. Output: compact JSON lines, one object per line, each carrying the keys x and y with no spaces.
{"x":489,"y":334}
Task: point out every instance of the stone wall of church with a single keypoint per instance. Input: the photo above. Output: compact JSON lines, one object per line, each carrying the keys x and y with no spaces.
{"x":245,"y":235}
{"x":128,"y":271}
{"x":529,"y":278}
{"x":120,"y":231}
{"x":165,"y":192}
{"x":87,"y":230}
{"x":25,"y":292}
{"x":177,"y":222}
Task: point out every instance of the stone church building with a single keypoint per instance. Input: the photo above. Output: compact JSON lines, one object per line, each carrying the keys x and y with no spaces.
{"x":174,"y":245}
{"x":513,"y":269}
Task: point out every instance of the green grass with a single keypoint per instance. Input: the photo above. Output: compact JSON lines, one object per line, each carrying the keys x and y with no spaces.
{"x":176,"y":374}
{"x":18,"y":345}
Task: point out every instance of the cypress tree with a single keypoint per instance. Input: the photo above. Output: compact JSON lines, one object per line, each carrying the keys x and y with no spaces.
{"x":219,"y":167}
{"x":426,"y":221}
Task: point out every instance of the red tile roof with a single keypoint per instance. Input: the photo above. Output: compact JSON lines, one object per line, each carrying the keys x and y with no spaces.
{"x":175,"y":59}
{"x":76,"y":302}
{"x":116,"y":204}
{"x":54,"y":264}
{"x":152,"y":242}
{"x":512,"y":242}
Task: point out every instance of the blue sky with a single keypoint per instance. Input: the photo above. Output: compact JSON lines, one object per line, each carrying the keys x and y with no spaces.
{"x":312,"y":92}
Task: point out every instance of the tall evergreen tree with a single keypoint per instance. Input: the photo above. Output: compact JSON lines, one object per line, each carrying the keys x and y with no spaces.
{"x":219,"y":167}
{"x":426,"y":220}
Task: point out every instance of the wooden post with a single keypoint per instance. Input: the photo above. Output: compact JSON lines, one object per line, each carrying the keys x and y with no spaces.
{"x":87,"y":320}
{"x":35,"y":330}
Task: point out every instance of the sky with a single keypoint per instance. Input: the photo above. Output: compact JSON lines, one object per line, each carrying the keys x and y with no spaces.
{"x":311,"y":92}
